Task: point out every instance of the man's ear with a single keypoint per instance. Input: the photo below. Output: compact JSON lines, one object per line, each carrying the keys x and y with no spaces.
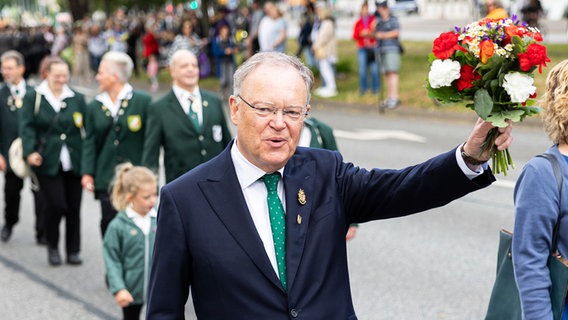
{"x":233,"y":108}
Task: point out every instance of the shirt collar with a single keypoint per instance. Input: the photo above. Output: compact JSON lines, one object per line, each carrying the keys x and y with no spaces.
{"x":21,"y":87}
{"x":183,"y":94}
{"x":124,"y":94}
{"x":43,"y":89}
{"x":130,"y":213}
{"x":247,"y":173}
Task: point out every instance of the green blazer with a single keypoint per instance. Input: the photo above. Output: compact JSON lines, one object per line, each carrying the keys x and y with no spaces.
{"x":68,"y":129}
{"x":109,"y":142}
{"x":127,"y":254}
{"x":9,"y":114}
{"x":184,"y":146}
{"x":322,"y":134}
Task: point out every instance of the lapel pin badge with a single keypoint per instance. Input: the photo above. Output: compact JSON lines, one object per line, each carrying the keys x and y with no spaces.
{"x":301,"y":197}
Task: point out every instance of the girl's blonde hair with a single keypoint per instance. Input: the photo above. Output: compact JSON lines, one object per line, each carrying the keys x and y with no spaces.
{"x":128,"y":179}
{"x":555,"y":103}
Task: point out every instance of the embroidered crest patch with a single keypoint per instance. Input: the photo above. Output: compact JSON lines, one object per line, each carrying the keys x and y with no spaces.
{"x":134,"y":122}
{"x":78,"y":119}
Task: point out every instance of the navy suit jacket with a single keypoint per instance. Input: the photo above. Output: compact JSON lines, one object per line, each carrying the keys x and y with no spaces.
{"x":207,"y":241}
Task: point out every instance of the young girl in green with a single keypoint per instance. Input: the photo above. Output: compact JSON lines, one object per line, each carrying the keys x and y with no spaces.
{"x":129,"y":239}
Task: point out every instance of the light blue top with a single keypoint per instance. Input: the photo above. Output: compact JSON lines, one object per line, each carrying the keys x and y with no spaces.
{"x":536,"y":213}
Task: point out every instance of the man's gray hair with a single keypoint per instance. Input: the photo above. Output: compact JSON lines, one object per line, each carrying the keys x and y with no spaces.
{"x":272,"y":59}
{"x":122,"y":64}
{"x":178,"y":53}
{"x":13,"y":54}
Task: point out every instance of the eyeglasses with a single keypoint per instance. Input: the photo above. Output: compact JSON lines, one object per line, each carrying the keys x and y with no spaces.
{"x":265,"y":110}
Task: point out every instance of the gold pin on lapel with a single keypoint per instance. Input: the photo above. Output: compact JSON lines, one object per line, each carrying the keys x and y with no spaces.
{"x":299,"y":219}
{"x":301,"y":197}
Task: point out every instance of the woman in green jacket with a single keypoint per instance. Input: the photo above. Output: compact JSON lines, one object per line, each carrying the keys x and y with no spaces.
{"x":129,"y":240}
{"x":115,"y":124}
{"x":52,"y":140}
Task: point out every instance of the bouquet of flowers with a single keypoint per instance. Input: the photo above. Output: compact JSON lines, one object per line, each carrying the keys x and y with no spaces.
{"x":489,"y":64}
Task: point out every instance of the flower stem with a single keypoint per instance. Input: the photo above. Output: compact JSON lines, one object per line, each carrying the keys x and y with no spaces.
{"x":501,"y":158}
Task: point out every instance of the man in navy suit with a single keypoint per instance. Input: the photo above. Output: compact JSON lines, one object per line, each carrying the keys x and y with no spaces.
{"x":214,"y":232}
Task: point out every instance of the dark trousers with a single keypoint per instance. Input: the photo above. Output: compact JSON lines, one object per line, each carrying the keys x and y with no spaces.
{"x":40,"y":215}
{"x":62,"y":196}
{"x":107,"y":209}
{"x":132,"y":312}
{"x":12,"y":187}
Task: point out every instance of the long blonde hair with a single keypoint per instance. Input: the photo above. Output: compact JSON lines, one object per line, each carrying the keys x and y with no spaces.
{"x":555,"y":103}
{"x":128,"y":179}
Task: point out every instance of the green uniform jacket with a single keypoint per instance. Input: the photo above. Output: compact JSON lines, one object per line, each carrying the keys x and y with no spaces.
{"x":108,"y":142}
{"x":322,"y":134}
{"x":184,"y":146}
{"x":9,"y":114}
{"x":66,"y":130}
{"x":127,"y":253}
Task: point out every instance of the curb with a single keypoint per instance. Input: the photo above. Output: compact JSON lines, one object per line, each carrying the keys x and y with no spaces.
{"x":407,"y":111}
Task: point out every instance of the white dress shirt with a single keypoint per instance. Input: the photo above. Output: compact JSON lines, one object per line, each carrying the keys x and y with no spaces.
{"x":253,"y":189}
{"x":113,"y":107}
{"x":18,"y":90}
{"x":144,"y":222}
{"x":183,"y":97}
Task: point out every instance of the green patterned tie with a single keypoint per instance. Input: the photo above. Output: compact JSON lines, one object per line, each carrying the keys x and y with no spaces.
{"x":277,"y":222}
{"x":192,"y":114}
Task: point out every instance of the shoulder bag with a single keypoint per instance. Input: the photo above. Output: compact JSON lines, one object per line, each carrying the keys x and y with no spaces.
{"x":16,"y":153}
{"x":505,"y":303}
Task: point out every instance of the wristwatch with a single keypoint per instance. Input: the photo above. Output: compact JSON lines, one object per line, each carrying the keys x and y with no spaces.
{"x":469,"y":159}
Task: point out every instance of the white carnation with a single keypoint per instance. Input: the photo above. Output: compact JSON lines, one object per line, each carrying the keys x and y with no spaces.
{"x":443,"y":73}
{"x":519,"y":86}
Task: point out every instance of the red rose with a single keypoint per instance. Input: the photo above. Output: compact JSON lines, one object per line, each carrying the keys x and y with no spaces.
{"x":514,"y":31}
{"x":446,"y":44}
{"x":467,"y":76}
{"x":535,"y":56}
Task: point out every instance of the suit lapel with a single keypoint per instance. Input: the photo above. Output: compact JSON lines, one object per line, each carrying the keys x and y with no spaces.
{"x":299,"y":187}
{"x":205,"y":102}
{"x":234,"y":214}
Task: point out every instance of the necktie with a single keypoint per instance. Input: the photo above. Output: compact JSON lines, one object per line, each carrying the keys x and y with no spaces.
{"x":277,"y":223}
{"x":192,"y":114}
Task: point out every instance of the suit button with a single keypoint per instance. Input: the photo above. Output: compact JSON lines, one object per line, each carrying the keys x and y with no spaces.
{"x":117,"y":128}
{"x":200,"y":138}
{"x":63,"y":136}
{"x":293,"y":313}
{"x":203,"y":152}
{"x":116,"y":142}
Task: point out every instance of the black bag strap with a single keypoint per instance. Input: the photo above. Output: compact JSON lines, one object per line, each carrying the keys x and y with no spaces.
{"x":558,"y":176}
{"x":43,"y":139}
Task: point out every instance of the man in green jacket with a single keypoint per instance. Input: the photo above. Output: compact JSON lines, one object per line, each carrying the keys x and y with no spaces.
{"x":188,"y":122}
{"x":11,"y":101}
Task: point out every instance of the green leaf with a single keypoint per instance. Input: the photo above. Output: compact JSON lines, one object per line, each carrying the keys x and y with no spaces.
{"x":499,"y":119}
{"x":483,"y":103}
